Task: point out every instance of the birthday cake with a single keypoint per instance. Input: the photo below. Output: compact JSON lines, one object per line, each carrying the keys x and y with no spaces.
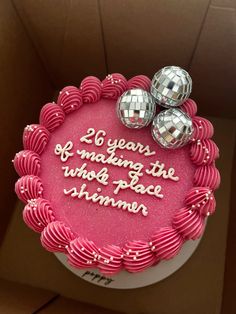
{"x":118,"y":173}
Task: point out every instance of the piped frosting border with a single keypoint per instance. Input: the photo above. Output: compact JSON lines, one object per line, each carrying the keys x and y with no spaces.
{"x":165,"y":243}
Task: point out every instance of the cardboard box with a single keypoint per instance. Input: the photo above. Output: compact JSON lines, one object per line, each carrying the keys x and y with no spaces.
{"x":45,"y":45}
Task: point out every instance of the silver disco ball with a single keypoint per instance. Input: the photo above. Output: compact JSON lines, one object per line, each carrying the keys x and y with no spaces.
{"x":172,"y":128}
{"x":136,"y":108}
{"x":171,"y":86}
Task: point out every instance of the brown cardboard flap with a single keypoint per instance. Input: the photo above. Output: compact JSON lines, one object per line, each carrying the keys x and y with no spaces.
{"x":195,"y":288}
{"x":17,"y":298}
{"x":68,"y":37}
{"x":24,"y":88}
{"x":214,"y":64}
{"x":63,"y":305}
{"x":143,"y":36}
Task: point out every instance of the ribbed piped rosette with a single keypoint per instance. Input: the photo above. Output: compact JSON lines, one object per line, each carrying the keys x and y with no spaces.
{"x":138,"y":256}
{"x":166,"y":243}
{"x":35,"y":138}
{"x":190,"y":107}
{"x":51,"y":116}
{"x":91,"y":89}
{"x":110,"y":259}
{"x":113,"y":86}
{"x":70,"y":99}
{"x":83,"y":253}
{"x":56,"y":237}
{"x":37,"y":214}
{"x":140,"y":81}
{"x":28,"y":187}
{"x":207,"y":176}
{"x":27,"y":162}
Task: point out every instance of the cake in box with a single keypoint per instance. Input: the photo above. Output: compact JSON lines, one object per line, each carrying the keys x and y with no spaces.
{"x":118,"y":174}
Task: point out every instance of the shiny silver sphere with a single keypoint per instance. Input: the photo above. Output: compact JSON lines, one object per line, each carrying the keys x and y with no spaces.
{"x":171,"y":86}
{"x":136,"y":108}
{"x":172,"y":128}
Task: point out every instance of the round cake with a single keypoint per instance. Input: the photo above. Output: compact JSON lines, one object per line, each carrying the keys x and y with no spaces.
{"x":108,"y":196}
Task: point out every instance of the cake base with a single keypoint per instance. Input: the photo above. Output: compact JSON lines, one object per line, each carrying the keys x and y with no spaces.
{"x":125,"y":280}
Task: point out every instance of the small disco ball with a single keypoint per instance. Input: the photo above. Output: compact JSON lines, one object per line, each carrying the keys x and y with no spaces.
{"x":136,"y":108}
{"x":171,"y":86}
{"x":172,"y":128}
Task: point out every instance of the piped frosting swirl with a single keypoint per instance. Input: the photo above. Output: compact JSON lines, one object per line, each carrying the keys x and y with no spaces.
{"x":51,"y":116}
{"x":82,"y":253}
{"x":202,"y":129}
{"x":37,"y":214}
{"x":114,"y":85}
{"x":203,"y":152}
{"x":91,"y":89}
{"x":28,"y":187}
{"x":110,"y":259}
{"x":138,"y":256}
{"x":35,"y":138}
{"x":190,"y":107}
{"x":56,"y":237}
{"x":27,"y":162}
{"x":140,"y":81}
{"x":189,"y":223}
{"x":166,"y":243}
{"x":202,"y":200}
{"x":207,"y":176}
{"x":70,"y":99}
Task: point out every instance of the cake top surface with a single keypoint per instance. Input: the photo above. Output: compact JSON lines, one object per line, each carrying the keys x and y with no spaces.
{"x":109,"y":196}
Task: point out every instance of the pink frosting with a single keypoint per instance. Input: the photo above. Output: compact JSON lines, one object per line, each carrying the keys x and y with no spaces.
{"x":189,"y":223}
{"x":203,"y":152}
{"x":207,"y":176}
{"x":166,"y":243}
{"x":27,"y":162}
{"x":91,"y":89}
{"x":202,"y":200}
{"x":114,"y":85}
{"x":51,"y":116}
{"x":140,"y":81}
{"x":37,"y":214}
{"x":35,"y":137}
{"x":110,"y":259}
{"x":190,"y":107}
{"x":138,"y":256}
{"x":82,"y":253}
{"x":70,"y":99}
{"x":203,"y":129}
{"x":56,"y":237}
{"x":28,"y":187}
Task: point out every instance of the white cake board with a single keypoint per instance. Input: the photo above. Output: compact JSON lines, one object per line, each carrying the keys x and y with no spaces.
{"x":125,"y":280}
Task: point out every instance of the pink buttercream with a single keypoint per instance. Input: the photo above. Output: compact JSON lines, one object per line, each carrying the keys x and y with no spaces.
{"x":202,"y":129}
{"x":35,"y":138}
{"x":110,"y":259}
{"x":37,"y":214}
{"x":70,"y":99}
{"x":188,"y":223}
{"x":138,"y":256}
{"x":114,"y":85}
{"x":27,"y":162}
{"x":91,"y":89}
{"x":140,"y":81}
{"x":82,"y":253}
{"x":190,"y":107}
{"x":207,"y":176}
{"x":203,"y":152}
{"x":28,"y":187}
{"x":166,"y":243}
{"x":202,"y":200}
{"x":56,"y":237}
{"x":51,"y":116}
